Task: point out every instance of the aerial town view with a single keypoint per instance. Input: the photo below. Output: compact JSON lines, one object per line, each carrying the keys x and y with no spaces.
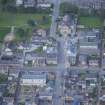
{"x":52,"y":52}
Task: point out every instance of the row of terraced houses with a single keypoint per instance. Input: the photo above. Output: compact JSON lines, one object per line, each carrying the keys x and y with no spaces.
{"x":97,"y":4}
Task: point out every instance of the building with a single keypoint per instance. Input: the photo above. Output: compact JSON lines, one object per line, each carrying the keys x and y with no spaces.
{"x":91,"y":82}
{"x":51,"y":58}
{"x":29,"y":3}
{"x":89,"y":41}
{"x":72,"y":50}
{"x":38,"y":39}
{"x":93,"y":62}
{"x":8,"y":100}
{"x":32,"y":79}
{"x":45,"y":96}
{"x":19,"y":2}
{"x":26,"y":3}
{"x":96,"y":4}
{"x":51,"y":54}
{"x":34,"y":59}
{"x":82,"y":59}
{"x":34,"y":3}
{"x":39,"y":33}
{"x":89,"y":50}
{"x":44,"y":4}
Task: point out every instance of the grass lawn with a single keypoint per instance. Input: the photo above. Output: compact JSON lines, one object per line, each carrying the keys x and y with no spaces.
{"x":91,"y":22}
{"x":3,"y":32}
{"x":20,"y":20}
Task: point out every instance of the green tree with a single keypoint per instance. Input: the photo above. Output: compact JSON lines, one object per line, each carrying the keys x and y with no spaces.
{"x":68,"y":8}
{"x":31,"y":23}
{"x":22,"y":34}
{"x":21,"y":103}
{"x":3,"y":78}
{"x":4,"y":3}
{"x":102,"y":13}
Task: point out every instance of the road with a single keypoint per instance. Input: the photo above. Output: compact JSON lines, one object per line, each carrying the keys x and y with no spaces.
{"x":61,"y":53}
{"x":55,"y":15}
{"x":58,"y":89}
{"x":61,"y":66}
{"x":17,"y":91}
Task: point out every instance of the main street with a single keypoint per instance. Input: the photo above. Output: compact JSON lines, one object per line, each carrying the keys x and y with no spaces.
{"x":55,"y":15}
{"x":61,"y":66}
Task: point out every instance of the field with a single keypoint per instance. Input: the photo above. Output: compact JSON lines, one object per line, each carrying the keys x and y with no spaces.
{"x":20,"y":20}
{"x":91,"y":22}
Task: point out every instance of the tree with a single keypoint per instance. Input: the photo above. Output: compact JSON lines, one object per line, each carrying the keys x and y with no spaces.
{"x":20,"y":31}
{"x":20,"y":34}
{"x":4,"y":3}
{"x":94,"y":93}
{"x":68,"y":8}
{"x":102,"y":13}
{"x":31,"y":23}
{"x":21,"y":103}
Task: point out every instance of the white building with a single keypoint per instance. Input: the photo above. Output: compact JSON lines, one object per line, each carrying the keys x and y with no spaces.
{"x":29,"y":3}
{"x":33,"y":79}
{"x":88,"y":46}
{"x":44,"y":5}
{"x":19,"y":2}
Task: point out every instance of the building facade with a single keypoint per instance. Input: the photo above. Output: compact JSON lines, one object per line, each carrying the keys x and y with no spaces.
{"x":33,"y":79}
{"x":96,"y":4}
